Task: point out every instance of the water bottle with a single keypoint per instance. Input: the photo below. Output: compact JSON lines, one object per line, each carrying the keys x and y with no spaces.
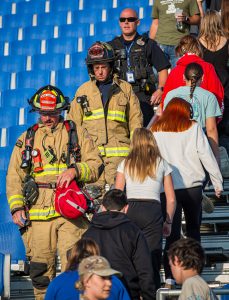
{"x":179,"y":24}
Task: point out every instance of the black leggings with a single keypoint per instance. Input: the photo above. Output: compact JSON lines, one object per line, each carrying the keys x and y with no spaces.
{"x":147,"y":215}
{"x":190,"y":200}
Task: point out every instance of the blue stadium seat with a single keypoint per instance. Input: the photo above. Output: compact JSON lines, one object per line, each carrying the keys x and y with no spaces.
{"x":88,"y":41}
{"x":5,"y":8}
{"x":66,"y":5}
{"x":11,"y":241}
{"x":101,"y":4}
{"x":129,"y":3}
{"x":30,"y":7}
{"x":73,"y":30}
{"x":8,"y":34}
{"x":38,"y":32}
{"x":144,"y":25}
{"x":2,"y":182}
{"x":62,"y":45}
{"x":9,"y":117}
{"x":86,"y":16}
{"x":5,"y":153}
{"x":5,"y":78}
{"x":69,"y":79}
{"x":48,"y":61}
{"x":31,"y":117}
{"x":48,"y":19}
{"x":17,"y":98}
{"x":33,"y":79}
{"x":2,"y":48}
{"x":111,"y":28}
{"x":14,"y":132}
{"x":77,"y":60}
{"x":17,"y":20}
{"x":25,"y":47}
{"x":13,"y":63}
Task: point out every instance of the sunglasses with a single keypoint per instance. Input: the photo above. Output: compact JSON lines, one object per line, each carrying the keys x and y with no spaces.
{"x":130,"y":19}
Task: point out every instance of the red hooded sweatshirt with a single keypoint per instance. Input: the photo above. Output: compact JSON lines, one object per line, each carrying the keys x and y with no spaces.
{"x":210,"y":81}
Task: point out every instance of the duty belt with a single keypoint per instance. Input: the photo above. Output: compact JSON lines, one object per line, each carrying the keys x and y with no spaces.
{"x":44,"y":185}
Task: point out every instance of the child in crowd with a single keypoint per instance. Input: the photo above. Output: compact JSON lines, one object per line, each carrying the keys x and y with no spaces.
{"x":186,"y":259}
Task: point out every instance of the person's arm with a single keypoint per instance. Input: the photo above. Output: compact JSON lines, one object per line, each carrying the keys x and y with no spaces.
{"x":212,"y":134}
{"x":193,"y":20}
{"x":153,"y":29}
{"x":156,"y":96}
{"x":170,"y":204}
{"x":120,"y":181}
{"x":200,"y":3}
{"x":76,"y":113}
{"x":208,"y":160}
{"x":134,"y":113}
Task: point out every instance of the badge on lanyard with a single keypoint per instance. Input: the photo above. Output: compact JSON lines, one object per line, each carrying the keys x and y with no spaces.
{"x":130,"y":76}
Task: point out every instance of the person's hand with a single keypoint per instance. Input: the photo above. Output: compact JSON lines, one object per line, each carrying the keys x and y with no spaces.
{"x":65,"y":178}
{"x":156,"y":97}
{"x":167,"y":229}
{"x":218,"y":193}
{"x":19,"y":218}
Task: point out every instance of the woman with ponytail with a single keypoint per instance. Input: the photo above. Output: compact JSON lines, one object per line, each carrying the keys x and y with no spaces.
{"x":204,"y":104}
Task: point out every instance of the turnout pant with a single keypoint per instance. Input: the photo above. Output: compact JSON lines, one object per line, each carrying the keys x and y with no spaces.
{"x":42,"y":240}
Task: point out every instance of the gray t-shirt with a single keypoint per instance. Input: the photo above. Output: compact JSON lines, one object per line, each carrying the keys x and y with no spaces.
{"x":164,"y":11}
{"x":204,"y":103}
{"x":148,"y":189}
{"x":195,"y":288}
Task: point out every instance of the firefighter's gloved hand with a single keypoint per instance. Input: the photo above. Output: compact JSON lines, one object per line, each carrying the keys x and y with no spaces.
{"x":30,"y":190}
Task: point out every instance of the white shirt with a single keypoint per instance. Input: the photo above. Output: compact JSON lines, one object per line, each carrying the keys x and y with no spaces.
{"x":186,"y":151}
{"x":148,"y":189}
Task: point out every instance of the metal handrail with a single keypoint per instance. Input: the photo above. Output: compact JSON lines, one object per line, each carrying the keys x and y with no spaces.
{"x":165,"y":292}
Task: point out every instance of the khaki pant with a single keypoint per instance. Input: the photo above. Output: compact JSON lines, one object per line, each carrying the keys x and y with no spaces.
{"x":42,"y":240}
{"x":109,"y":173}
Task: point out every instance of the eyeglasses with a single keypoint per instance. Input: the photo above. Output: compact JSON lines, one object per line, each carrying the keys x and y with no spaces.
{"x":130,"y":19}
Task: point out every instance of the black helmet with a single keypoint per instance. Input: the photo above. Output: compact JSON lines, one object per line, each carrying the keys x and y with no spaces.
{"x":100,"y":52}
{"x":49,"y":99}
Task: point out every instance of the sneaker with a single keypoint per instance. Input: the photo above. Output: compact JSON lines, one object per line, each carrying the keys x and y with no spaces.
{"x":207,"y":204}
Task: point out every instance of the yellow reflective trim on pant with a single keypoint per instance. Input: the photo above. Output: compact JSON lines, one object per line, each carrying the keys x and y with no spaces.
{"x":43,"y":214}
{"x":96,"y":114}
{"x":16,"y":200}
{"x":116,"y":115}
{"x":49,"y":169}
{"x":85,"y":172}
{"x":131,"y":134}
{"x":101,"y":150}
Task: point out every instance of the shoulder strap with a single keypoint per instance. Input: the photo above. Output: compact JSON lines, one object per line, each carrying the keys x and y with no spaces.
{"x":30,"y":134}
{"x":73,"y":142}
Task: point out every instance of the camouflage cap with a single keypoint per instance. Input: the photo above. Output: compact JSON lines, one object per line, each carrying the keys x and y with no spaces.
{"x":96,"y":265}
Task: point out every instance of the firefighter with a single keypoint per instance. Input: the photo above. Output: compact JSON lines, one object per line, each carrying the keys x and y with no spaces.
{"x":108,"y":108}
{"x":51,"y":153}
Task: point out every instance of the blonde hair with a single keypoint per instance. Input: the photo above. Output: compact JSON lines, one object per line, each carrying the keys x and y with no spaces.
{"x":188,"y":44}
{"x":225,"y":17}
{"x":143,"y":158}
{"x":211,"y":29}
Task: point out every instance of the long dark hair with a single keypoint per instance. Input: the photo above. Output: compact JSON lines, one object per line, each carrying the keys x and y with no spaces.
{"x":193,"y":72}
{"x":83,"y":248}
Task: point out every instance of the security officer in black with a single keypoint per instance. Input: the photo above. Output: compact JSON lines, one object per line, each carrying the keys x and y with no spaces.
{"x":135,"y":57}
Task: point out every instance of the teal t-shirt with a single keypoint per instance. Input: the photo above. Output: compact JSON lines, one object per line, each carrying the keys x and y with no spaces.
{"x":164,"y":11}
{"x":204,"y":103}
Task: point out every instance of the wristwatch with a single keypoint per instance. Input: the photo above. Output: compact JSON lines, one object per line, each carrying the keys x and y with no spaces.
{"x":161,"y":88}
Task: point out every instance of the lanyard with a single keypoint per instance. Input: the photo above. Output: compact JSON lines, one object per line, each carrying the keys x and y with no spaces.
{"x":128,"y":54}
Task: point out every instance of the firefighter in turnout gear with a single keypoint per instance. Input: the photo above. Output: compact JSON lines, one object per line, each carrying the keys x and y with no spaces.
{"x":135,"y":55}
{"x":108,"y":108}
{"x":47,"y":156}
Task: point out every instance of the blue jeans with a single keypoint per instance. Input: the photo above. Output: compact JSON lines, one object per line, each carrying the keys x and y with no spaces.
{"x":170,"y":53}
